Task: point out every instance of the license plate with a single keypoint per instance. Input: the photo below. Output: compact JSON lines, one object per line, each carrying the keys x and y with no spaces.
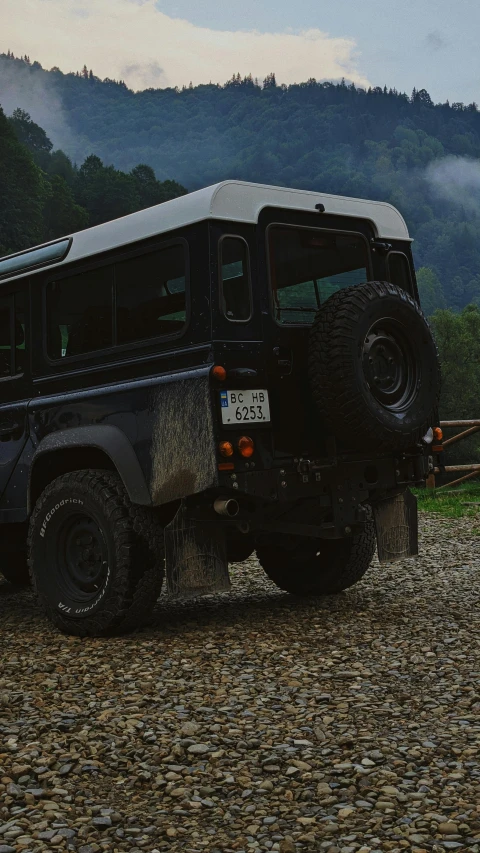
{"x":240,"y":407}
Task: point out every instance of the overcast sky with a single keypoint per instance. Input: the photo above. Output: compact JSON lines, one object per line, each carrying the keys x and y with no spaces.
{"x":431,"y":44}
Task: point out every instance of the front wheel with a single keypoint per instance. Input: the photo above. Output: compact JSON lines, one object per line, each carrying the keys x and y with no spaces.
{"x":96,"y":560}
{"x":304,"y":566}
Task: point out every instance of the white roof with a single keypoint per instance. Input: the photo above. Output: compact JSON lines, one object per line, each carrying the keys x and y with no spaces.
{"x":232,"y":201}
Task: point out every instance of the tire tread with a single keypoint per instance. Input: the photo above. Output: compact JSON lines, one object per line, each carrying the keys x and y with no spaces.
{"x":139,"y":555}
{"x":330,"y":366}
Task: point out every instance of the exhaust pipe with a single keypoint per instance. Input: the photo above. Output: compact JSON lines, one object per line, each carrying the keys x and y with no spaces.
{"x":226,"y":506}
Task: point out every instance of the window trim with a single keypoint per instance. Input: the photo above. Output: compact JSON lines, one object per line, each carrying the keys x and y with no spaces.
{"x":118,"y":258}
{"x":220,"y":277}
{"x":317,"y":230}
{"x":410,"y":291}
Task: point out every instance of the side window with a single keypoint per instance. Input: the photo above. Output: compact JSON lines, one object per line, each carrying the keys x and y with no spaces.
{"x":80,"y":313}
{"x":399,"y":271}
{"x":148,"y":292}
{"x":150,"y":295}
{"x":236,"y":294}
{"x":12,"y":335}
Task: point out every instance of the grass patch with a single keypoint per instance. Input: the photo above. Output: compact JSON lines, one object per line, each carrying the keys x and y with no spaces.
{"x":451,"y":502}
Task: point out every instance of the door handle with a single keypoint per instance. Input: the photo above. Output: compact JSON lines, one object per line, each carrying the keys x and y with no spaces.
{"x":8,"y":429}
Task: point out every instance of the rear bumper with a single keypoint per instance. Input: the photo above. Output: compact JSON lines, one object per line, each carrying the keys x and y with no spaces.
{"x":329,"y":501}
{"x":350,"y":481}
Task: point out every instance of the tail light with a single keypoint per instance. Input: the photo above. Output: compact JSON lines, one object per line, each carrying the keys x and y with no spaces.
{"x":226,"y":448}
{"x":246,"y":446}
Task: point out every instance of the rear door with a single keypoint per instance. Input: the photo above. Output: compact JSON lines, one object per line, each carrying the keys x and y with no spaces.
{"x":14,"y":370}
{"x":304,"y":258}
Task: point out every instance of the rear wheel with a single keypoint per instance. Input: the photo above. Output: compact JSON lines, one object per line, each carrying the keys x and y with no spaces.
{"x":96,"y":560}
{"x":305,"y":566}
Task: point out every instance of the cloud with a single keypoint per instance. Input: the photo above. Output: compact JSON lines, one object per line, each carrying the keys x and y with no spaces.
{"x":456,"y":180}
{"x":132,"y":39}
{"x":147,"y":74}
{"x":435,"y":41}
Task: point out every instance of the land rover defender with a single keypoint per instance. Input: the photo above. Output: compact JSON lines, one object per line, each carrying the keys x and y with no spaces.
{"x":242,"y":369}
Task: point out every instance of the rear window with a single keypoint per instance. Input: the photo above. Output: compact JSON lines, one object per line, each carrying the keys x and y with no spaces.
{"x":308,"y":266}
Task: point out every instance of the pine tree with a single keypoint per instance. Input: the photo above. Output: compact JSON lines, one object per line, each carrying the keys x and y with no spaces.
{"x":270,"y":81}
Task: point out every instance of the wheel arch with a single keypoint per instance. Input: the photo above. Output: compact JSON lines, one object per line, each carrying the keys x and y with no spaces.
{"x":102,"y":446}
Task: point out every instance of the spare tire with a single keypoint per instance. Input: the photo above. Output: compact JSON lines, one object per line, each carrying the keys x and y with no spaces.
{"x":374,"y":366}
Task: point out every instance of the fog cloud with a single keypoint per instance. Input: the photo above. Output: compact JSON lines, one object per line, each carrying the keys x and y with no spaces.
{"x":456,"y":180}
{"x":147,"y":74}
{"x":20,"y":88}
{"x":132,"y":39}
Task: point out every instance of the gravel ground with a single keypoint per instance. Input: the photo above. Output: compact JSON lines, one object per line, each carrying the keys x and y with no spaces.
{"x":253,"y":721}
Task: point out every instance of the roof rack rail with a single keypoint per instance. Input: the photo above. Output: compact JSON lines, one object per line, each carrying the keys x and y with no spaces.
{"x":32,"y":258}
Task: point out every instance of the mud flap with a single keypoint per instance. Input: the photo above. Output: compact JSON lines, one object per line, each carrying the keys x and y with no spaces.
{"x":196,"y":557}
{"x":396,"y":524}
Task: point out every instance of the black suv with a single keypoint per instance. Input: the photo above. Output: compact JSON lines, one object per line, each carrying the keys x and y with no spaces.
{"x":245,"y":368}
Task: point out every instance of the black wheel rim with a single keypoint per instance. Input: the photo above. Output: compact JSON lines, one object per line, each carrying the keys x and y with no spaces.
{"x":82,"y":558}
{"x":390,"y":366}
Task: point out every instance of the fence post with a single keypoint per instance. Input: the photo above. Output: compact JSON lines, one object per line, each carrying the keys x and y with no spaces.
{"x":430,"y":481}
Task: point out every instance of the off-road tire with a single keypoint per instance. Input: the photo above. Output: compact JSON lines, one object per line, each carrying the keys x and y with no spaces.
{"x":359,"y":407}
{"x":15,"y":568}
{"x":304,"y":566}
{"x":130,"y":534}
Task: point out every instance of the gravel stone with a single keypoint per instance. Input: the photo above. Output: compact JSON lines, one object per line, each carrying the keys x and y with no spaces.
{"x":198,"y":748}
{"x":250,"y":721}
{"x":102,"y":821}
{"x":448,"y":828}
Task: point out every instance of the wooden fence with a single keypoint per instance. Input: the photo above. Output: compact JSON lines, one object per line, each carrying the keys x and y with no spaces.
{"x":467,"y":428}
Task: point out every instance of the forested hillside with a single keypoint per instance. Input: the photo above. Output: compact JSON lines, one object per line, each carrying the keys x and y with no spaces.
{"x":43,"y":195}
{"x":380,"y":143}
